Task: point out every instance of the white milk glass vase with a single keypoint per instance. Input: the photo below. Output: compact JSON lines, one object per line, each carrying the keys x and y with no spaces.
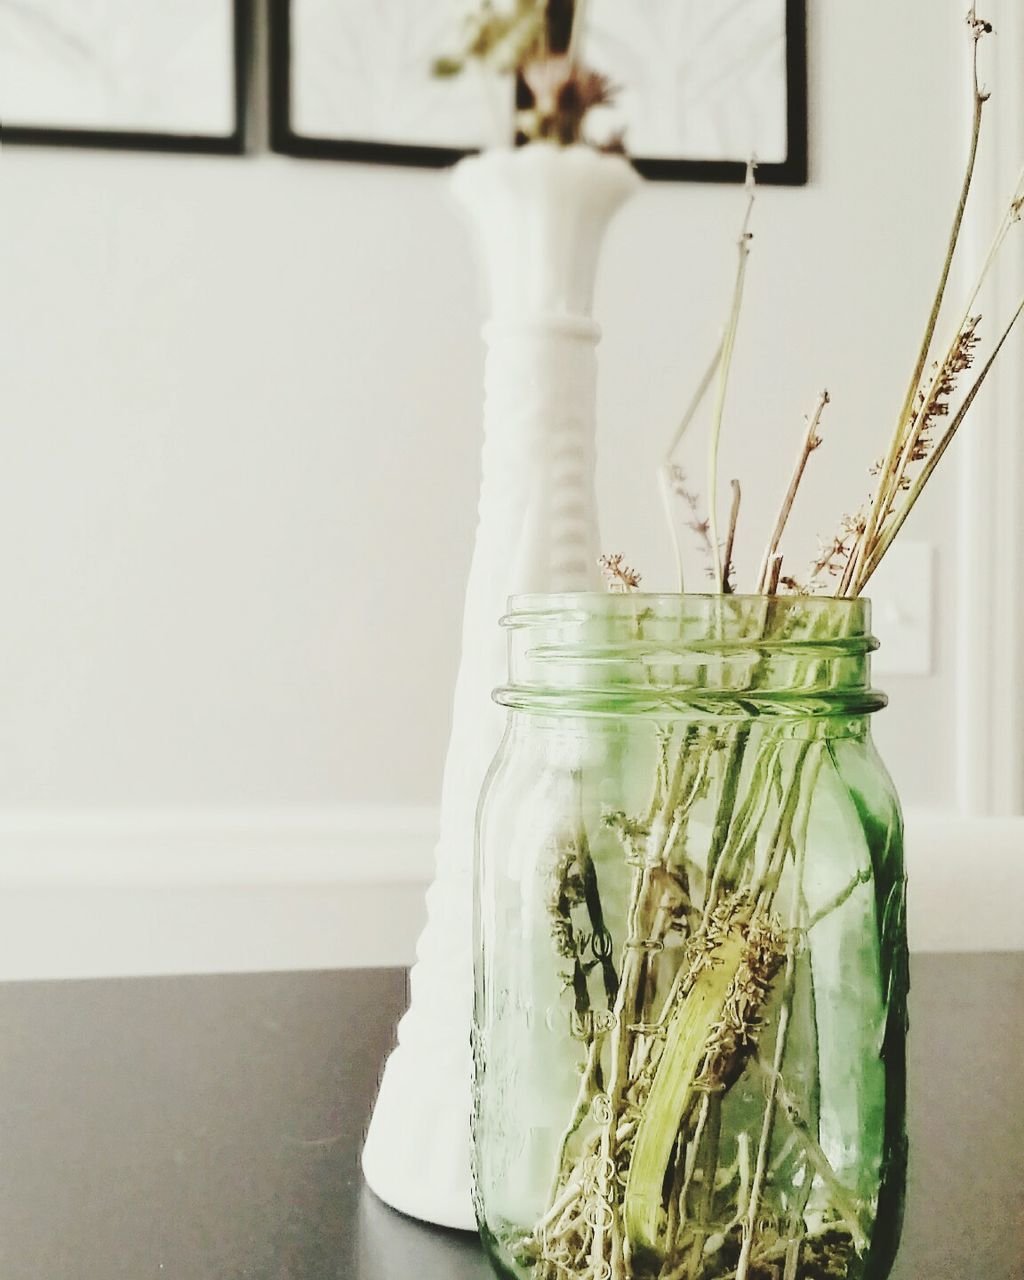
{"x":540,"y":214}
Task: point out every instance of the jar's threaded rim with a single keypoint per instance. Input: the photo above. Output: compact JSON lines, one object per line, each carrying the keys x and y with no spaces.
{"x":731,"y":655}
{"x":687,"y":603}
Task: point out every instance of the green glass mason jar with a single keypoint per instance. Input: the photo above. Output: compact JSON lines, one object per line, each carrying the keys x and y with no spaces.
{"x":690,"y":1016}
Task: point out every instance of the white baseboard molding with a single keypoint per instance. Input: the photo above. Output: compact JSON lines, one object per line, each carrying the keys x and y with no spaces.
{"x":103,"y":895}
{"x":118,"y":894}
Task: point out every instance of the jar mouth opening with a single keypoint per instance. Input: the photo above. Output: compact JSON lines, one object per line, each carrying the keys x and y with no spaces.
{"x":685,"y":604}
{"x":732,"y":655}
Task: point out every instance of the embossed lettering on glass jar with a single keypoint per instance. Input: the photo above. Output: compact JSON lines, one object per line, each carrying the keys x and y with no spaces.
{"x":690,"y":1019}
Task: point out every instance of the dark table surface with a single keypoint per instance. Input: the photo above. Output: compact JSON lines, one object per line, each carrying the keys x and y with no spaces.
{"x":209,"y":1129}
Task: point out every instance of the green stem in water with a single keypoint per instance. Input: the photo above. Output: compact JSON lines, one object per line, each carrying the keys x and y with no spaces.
{"x":672,"y":1093}
{"x":842,"y":1199}
{"x":702,"y":1217}
{"x":785,"y":1013}
{"x":726,"y":808}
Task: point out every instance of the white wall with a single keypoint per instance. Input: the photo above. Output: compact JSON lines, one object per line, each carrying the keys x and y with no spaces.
{"x":241,"y":404}
{"x":172,"y":893}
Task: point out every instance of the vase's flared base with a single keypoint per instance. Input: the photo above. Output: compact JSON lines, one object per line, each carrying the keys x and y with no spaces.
{"x":416,"y":1156}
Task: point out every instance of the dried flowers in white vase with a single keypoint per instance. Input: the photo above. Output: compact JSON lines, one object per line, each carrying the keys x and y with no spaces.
{"x":540,"y":213}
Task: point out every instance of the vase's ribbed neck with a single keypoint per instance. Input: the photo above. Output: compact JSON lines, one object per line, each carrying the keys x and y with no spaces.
{"x":540,"y":213}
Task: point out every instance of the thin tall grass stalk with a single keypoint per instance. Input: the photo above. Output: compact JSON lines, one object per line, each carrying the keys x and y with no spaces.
{"x":665,"y":470}
{"x":730,"y":537}
{"x":877,"y":511}
{"x":964,"y":327}
{"x":810,"y":442}
{"x":724,"y":368}
{"x":899,"y":518}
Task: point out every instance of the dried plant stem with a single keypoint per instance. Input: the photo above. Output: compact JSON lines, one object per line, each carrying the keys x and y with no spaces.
{"x":1014,"y":211}
{"x":701,"y":1226}
{"x":871,"y":554}
{"x":730,"y":538}
{"x":668,"y":510}
{"x":1011,"y":215}
{"x":579,"y":10}
{"x":673,"y":1092}
{"x":899,"y":517}
{"x":747,"y":820}
{"x":659,"y":1131}
{"x":724,"y":367}
{"x":847,"y":579}
{"x":808,"y":445}
{"x":665,"y":471}
{"x":774,"y":1253}
{"x":694,"y":1148}
{"x":879,"y":506}
{"x":793,"y":1248}
{"x":782,"y":839}
{"x":724,"y":812}
{"x":785,"y":1013}
{"x":842,"y":1199}
{"x":607,"y":1235}
{"x":834,"y":903}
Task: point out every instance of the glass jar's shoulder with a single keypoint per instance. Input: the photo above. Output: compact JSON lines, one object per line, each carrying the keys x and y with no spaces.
{"x":864,"y":778}
{"x":869,"y":796}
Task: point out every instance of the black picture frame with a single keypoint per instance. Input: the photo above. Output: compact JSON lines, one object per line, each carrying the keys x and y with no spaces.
{"x":791,"y":172}
{"x":233,"y":143}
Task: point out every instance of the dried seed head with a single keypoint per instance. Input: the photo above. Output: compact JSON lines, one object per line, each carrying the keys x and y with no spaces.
{"x":834,"y":556}
{"x":735,"y":1034}
{"x":631,"y":829}
{"x":561,"y":84}
{"x":979,"y":26}
{"x":618,"y":576}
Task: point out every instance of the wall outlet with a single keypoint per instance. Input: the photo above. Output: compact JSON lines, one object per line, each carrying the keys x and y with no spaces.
{"x":902,"y":595}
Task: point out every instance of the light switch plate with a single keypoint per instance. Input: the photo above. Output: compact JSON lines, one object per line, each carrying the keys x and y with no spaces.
{"x":902,"y":596}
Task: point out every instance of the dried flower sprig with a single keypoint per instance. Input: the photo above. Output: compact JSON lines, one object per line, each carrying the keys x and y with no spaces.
{"x":617,"y":575}
{"x":835,"y":558}
{"x":563,"y":93}
{"x":518,"y":42}
{"x":977,"y":30}
{"x":672,"y":478}
{"x":925,"y":426}
{"x":925,"y":403}
{"x":886,"y":536}
{"x":698,"y":524}
{"x":934,"y":403}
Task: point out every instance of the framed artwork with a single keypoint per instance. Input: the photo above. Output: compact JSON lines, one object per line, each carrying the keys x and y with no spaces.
{"x":702,"y":88}
{"x":134,"y":74}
